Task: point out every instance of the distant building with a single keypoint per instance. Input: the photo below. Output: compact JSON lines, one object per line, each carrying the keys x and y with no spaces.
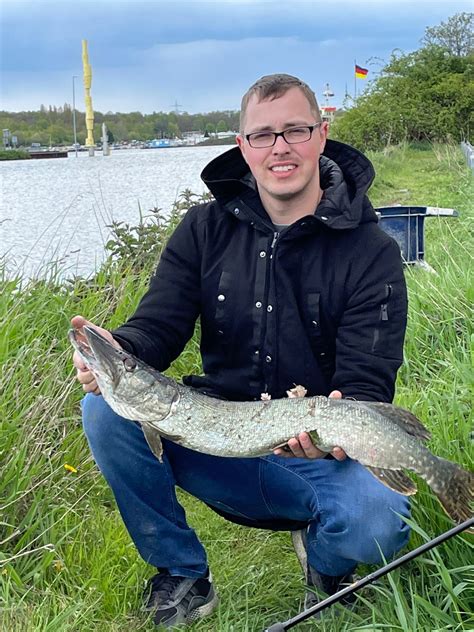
{"x":228,"y":134}
{"x":328,"y":112}
{"x":193,"y":138}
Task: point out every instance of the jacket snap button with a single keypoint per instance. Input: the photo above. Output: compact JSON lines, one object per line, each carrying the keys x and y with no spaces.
{"x":324,"y":218}
{"x":268,"y":359}
{"x":258,"y":304}
{"x":236,"y":211}
{"x":315,"y":323}
{"x":221,"y":298}
{"x":269,"y":308}
{"x":220,"y":332}
{"x":263,"y":253}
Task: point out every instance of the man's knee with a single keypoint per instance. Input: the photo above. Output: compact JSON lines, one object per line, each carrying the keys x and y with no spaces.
{"x":379,"y":531}
{"x":368,"y":529}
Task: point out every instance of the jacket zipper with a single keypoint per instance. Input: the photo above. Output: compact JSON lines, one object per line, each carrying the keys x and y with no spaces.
{"x":275,"y":237}
{"x":269,"y":278}
{"x":384,"y":306}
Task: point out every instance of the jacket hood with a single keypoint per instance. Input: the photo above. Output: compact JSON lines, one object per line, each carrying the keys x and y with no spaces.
{"x":345,"y":175}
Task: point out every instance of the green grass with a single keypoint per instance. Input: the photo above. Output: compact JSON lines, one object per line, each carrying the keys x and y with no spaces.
{"x":14,"y":154}
{"x":66,"y":561}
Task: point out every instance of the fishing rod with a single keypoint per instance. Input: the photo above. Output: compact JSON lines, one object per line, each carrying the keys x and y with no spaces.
{"x":368,"y":579}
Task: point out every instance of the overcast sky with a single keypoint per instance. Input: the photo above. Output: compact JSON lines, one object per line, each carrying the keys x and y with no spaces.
{"x":148,"y":56}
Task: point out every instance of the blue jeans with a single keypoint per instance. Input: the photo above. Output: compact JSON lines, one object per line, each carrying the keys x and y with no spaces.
{"x":350,"y":514}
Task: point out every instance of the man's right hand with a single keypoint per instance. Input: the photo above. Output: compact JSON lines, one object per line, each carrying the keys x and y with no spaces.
{"x":302,"y":446}
{"x":84,"y":375}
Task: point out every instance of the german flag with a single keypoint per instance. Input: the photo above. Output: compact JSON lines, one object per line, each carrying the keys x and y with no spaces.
{"x":361,"y":73}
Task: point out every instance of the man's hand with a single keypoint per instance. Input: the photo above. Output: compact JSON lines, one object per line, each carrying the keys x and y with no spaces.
{"x":84,"y":376}
{"x":303,"y":447}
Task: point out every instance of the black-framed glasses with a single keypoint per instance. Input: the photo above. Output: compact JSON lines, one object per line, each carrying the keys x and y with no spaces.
{"x":292,"y":136}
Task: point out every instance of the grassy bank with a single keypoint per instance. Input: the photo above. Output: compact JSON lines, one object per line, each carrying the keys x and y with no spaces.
{"x":14,"y":154}
{"x":66,"y":562}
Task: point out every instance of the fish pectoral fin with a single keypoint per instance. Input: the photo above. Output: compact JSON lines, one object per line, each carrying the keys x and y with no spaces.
{"x":282,"y":446}
{"x":314,"y":438}
{"x":394,"y":479}
{"x":153,"y":439}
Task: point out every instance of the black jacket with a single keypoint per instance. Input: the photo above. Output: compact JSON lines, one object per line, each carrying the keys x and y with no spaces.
{"x":322,"y":304}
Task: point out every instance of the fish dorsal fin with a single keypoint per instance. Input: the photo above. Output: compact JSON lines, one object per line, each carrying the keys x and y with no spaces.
{"x":394,"y":479}
{"x":403,"y":418}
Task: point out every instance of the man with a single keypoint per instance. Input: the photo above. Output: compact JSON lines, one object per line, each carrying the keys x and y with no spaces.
{"x":294,"y":283}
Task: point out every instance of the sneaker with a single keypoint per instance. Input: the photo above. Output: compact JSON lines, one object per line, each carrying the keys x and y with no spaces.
{"x":179,"y":600}
{"x":316,"y":581}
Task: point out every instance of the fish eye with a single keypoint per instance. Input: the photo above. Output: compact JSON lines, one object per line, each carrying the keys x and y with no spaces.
{"x":129,"y":364}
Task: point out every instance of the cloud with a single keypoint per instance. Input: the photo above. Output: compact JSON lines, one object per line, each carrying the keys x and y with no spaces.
{"x":144,"y":55}
{"x":49,"y":33}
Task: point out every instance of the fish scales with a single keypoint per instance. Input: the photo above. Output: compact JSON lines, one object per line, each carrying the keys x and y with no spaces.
{"x":383,"y":438}
{"x":247,"y":429}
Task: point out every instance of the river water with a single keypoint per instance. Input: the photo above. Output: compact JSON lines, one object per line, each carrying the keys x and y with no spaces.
{"x":55,"y":211}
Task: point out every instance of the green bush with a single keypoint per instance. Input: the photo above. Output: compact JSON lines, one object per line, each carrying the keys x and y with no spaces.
{"x":427,"y":95}
{"x":14,"y":154}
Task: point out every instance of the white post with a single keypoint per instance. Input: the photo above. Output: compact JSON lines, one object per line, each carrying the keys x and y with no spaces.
{"x":105,"y":141}
{"x":74,"y":112}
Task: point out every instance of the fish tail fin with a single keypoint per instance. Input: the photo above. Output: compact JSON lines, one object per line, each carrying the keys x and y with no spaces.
{"x":454,"y":487}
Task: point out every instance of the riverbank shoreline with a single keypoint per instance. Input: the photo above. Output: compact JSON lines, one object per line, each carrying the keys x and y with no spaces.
{"x":25,"y":154}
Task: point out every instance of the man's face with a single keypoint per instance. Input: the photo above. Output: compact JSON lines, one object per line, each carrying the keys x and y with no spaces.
{"x":284,"y":172}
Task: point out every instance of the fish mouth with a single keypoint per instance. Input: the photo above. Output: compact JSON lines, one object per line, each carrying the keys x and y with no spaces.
{"x":109,"y":358}
{"x":81,"y":347}
{"x":102,"y":358}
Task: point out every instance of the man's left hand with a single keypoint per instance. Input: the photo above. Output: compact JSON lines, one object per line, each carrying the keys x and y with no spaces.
{"x":303,"y":447}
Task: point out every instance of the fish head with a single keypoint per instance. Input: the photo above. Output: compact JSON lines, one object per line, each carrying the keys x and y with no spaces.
{"x":132,"y":388}
{"x":109,"y":364}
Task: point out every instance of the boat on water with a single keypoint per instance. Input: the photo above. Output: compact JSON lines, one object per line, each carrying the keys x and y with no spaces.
{"x":158,"y":143}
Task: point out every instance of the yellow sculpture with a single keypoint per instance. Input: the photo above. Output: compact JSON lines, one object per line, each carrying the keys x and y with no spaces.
{"x":88,"y":99}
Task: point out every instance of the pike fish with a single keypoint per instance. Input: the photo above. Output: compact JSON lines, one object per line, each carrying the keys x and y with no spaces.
{"x":385,"y":439}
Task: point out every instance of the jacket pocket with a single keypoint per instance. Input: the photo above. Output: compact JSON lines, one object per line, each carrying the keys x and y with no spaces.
{"x":390,"y":314}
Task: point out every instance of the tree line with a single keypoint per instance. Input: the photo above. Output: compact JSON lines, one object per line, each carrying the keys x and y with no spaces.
{"x":425,"y":95}
{"x":53,"y":125}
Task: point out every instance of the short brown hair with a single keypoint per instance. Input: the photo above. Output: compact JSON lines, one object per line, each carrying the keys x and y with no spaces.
{"x":271,"y":87}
